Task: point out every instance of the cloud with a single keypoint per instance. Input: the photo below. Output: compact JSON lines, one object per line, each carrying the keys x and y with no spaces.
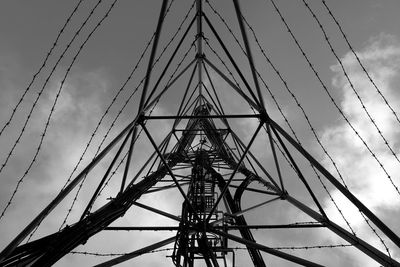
{"x":80,"y":106}
{"x":363,"y":175}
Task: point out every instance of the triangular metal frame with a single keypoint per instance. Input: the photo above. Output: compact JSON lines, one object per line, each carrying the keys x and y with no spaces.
{"x":201,"y":112}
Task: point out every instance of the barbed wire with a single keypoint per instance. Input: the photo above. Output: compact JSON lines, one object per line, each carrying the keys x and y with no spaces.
{"x":223,"y":63}
{"x":126,"y":103}
{"x":359,"y":61}
{"x":349,"y":80}
{"x":70,"y":66}
{"x":281,"y":111}
{"x":150,"y":112}
{"x":236,"y":82}
{"x":51,"y":111}
{"x":297,"y":102}
{"x":98,"y":254}
{"x":114,"y":99}
{"x":332,"y":99}
{"x":325,"y":151}
{"x":62,"y":84}
{"x":263,"y":81}
{"x":120,"y":163}
{"x":21,"y":99}
{"x":290,"y":127}
{"x":154,"y":64}
{"x":361,"y":102}
{"x":348,"y":122}
{"x":312,"y":247}
{"x":287,"y":122}
{"x":123,"y":88}
{"x":373,"y":230}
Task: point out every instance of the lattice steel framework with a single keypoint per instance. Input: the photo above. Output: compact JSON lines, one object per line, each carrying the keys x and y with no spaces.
{"x":207,"y":164}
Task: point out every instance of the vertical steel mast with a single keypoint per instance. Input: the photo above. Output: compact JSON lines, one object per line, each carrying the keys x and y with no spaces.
{"x":200,"y":36}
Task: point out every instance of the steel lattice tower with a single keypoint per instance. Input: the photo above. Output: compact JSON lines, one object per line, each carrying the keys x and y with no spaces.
{"x":204,"y":161}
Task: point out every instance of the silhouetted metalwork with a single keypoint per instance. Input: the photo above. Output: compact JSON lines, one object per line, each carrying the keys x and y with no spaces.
{"x":210,"y":167}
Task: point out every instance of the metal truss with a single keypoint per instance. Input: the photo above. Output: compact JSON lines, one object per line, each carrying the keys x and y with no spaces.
{"x":208,"y":166}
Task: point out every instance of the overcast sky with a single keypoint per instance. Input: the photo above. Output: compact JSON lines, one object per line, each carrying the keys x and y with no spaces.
{"x":28,"y":30}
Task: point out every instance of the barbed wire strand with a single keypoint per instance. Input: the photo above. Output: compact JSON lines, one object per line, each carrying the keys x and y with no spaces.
{"x":285,"y":118}
{"x":259,"y":75}
{"x":281,"y":111}
{"x":137,"y":137}
{"x":115,"y":119}
{"x":43,"y":65}
{"x":154,"y":64}
{"x":61,"y":86}
{"x":361,"y":102}
{"x":350,"y":82}
{"x":333,"y":100}
{"x":325,"y":151}
{"x":126,"y":103}
{"x":311,"y":128}
{"x":150,"y":112}
{"x":172,"y":75}
{"x":281,"y":248}
{"x":365,"y":219}
{"x":51,"y":111}
{"x":98,"y":254}
{"x":291,"y":129}
{"x":297,"y":102}
{"x":294,"y":134}
{"x":359,"y":61}
{"x":122,"y":88}
{"x":336,"y":168}
{"x":86,"y":253}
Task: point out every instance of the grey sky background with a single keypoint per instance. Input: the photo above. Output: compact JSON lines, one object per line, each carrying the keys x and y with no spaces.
{"x":28,"y":29}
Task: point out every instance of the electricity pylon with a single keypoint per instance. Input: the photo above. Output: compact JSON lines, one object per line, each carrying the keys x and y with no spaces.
{"x":207,"y":163}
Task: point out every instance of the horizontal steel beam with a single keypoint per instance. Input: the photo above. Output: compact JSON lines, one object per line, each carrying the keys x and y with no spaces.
{"x":142,"y":228}
{"x":200,"y":130}
{"x":199,"y":116}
